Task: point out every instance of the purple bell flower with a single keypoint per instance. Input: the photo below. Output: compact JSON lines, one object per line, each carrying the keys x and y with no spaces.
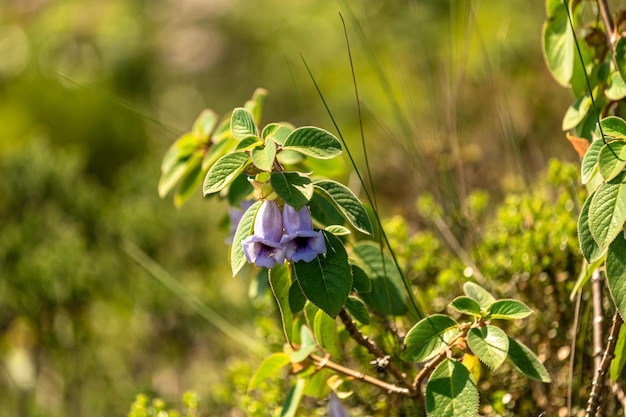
{"x":301,"y":242}
{"x":264,"y":247}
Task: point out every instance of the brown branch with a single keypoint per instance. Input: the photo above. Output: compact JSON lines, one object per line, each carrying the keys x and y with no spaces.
{"x":593,"y":404}
{"x":430,"y":366}
{"x":321,"y":362}
{"x":598,"y":319}
{"x":372,"y":348}
{"x":608,"y":23}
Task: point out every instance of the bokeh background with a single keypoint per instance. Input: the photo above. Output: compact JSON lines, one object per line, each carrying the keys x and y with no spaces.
{"x":454,"y":97}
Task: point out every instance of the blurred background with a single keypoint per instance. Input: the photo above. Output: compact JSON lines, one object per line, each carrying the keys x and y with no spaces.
{"x":454,"y":95}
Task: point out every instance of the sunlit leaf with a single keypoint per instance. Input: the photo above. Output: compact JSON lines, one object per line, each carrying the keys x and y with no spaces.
{"x":290,"y":406}
{"x":205,"y":124}
{"x":612,"y":159}
{"x":280,"y":284}
{"x":263,"y":156}
{"x":618,"y":362}
{"x":558,"y":45}
{"x":490,"y":344}
{"x":527,"y":362}
{"x":242,"y":124}
{"x":478,"y":294}
{"x":614,"y":127}
{"x":588,"y":246}
{"x":617,"y":88}
{"x":244,"y":229}
{"x":590,"y":161}
{"x":451,"y":391}
{"x":326,"y":332}
{"x":190,"y":181}
{"x":347,"y":203}
{"x":616,"y":273}
{"x":466,"y":305}
{"x":269,"y":368}
{"x":620,"y":56}
{"x":428,"y":337}
{"x":607,"y":211}
{"x":508,"y":310}
{"x":294,"y":188}
{"x":224,"y":171}
{"x":313,"y":141}
{"x":576,"y":113}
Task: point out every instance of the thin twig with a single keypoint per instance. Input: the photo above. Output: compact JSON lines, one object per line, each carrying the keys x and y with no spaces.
{"x":371,"y":347}
{"x":593,"y":404}
{"x":573,"y":352}
{"x":598,"y":319}
{"x":321,"y":362}
{"x":608,"y":23}
{"x":430,"y":366}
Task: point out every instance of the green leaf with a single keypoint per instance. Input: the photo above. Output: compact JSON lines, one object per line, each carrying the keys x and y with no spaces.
{"x":276,"y":131}
{"x":279,"y":283}
{"x":324,"y":211}
{"x":170,"y":178}
{"x":620,"y":56}
{"x":612,"y":159}
{"x":558,"y":45}
{"x":616,"y":273}
{"x":242,"y":124}
{"x":348,"y":203}
{"x":313,"y":141}
{"x":490,"y":344}
{"x":255,"y":104}
{"x":607,"y":211}
{"x":239,"y":189}
{"x":248,"y":143}
{"x":617,"y":88}
{"x":326,"y":332}
{"x":244,"y":229}
{"x":614,"y":127}
{"x":576,"y":113}
{"x":466,"y":305}
{"x":263,"y":156}
{"x":508,"y":310}
{"x":360,"y":281}
{"x":269,"y":368}
{"x":358,"y":309}
{"x":478,"y":294}
{"x":451,"y":391}
{"x":297,"y":300}
{"x":588,"y":246}
{"x":180,"y":150}
{"x":429,"y":337}
{"x":337,"y":230}
{"x":290,"y":406}
{"x":327,"y":280}
{"x":190,"y":181}
{"x":307,"y":346}
{"x":618,"y":362}
{"x":590,"y":160}
{"x":388,"y":294}
{"x":527,"y":362}
{"x":205,"y":124}
{"x":224,"y":171}
{"x":294,"y":188}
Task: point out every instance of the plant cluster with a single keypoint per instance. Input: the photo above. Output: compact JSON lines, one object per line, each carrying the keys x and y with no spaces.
{"x":336,"y":271}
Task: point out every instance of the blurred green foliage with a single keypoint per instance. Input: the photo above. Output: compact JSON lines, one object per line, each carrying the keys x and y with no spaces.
{"x":91,"y":95}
